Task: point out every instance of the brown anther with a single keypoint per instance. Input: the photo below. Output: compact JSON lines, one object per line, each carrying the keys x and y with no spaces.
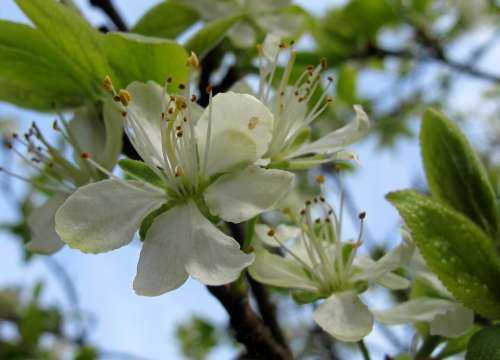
{"x":309,"y":67}
{"x":320,"y":179}
{"x":292,"y":42}
{"x":303,"y":212}
{"x":169,"y":80}
{"x":282,"y":93}
{"x":15,"y":136}
{"x":315,"y":200}
{"x":8,"y":144}
{"x":182,"y":86}
{"x":85,"y":155}
{"x":55,"y":125}
{"x":317,"y":221}
{"x":193,"y":98}
{"x":308,"y":202}
{"x":296,"y":93}
{"x":330,"y":78}
{"x":282,"y":45}
{"x":124,"y":97}
{"x":170,"y":110}
{"x":362,"y":215}
{"x":329,"y":99}
{"x":328,"y":220}
{"x":270,"y":232}
{"x":209,"y":88}
{"x":124,"y":113}
{"x":107,"y":83}
{"x":324,"y":63}
{"x":172,"y":97}
{"x":185,"y":119}
{"x":322,"y":199}
{"x":330,"y":212}
{"x":178,"y":127}
{"x":179,"y":133}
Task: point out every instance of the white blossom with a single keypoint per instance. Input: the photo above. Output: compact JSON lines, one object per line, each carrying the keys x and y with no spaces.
{"x":203,"y":161}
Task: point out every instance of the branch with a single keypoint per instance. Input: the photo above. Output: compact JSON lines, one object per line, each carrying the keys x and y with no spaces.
{"x":267,"y":310}
{"x":435,"y":54}
{"x":248,"y":327}
{"x":107,"y":7}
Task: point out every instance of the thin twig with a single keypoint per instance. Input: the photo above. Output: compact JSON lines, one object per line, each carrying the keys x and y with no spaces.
{"x":107,"y":7}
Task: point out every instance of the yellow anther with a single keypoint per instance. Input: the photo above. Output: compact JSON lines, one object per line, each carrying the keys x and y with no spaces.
{"x":124,"y":97}
{"x":320,"y":179}
{"x":252,"y":122}
{"x":193,"y":60}
{"x":107,"y":83}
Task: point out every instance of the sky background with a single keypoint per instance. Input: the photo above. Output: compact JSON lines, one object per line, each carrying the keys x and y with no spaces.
{"x":146,"y":326}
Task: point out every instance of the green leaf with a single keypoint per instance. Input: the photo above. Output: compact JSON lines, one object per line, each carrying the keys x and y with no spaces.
{"x":166,"y":20}
{"x":457,"y":345}
{"x":138,"y":58}
{"x":455,"y":173}
{"x":485,"y":345}
{"x":33,"y":73}
{"x":210,"y":35}
{"x":139,"y":170}
{"x":456,"y":250}
{"x":74,"y":37}
{"x":346,"y":84}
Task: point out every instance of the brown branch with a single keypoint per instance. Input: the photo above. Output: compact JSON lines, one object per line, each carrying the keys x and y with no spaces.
{"x":107,"y":7}
{"x":267,"y":310}
{"x":248,"y":327}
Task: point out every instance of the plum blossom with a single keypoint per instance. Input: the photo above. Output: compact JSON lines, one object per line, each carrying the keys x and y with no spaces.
{"x":201,"y":166}
{"x":295,"y":107}
{"x":59,"y":176}
{"x":319,"y":265}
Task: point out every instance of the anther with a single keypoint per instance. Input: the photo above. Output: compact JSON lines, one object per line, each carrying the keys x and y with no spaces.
{"x":303,"y":212}
{"x":362,"y":215}
{"x":107,"y":83}
{"x":322,"y":199}
{"x":124,"y":97}
{"x":270,"y":232}
{"x":320,"y":179}
{"x":209,"y":89}
{"x":317,"y":221}
{"x":330,"y":78}
{"x":308,"y":202}
{"x":193,"y":60}
{"x":309,"y":67}
{"x":169,"y":80}
{"x":324,"y":63}
{"x":85,"y":155}
{"x":124,"y":113}
{"x":194,"y":98}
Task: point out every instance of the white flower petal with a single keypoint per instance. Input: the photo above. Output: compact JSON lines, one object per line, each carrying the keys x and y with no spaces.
{"x":277,"y":271}
{"x":391,"y":261}
{"x":282,"y":232}
{"x":143,"y":120}
{"x":239,"y":196}
{"x":240,"y":132}
{"x":44,"y":239}
{"x":183,"y":242}
{"x":345,"y":317}
{"x":88,"y":130}
{"x":282,"y":24}
{"x":215,"y":258}
{"x":393,"y":281}
{"x":454,"y":323}
{"x":419,"y":309}
{"x":270,"y":47}
{"x":339,"y":138}
{"x":103,"y":216}
{"x":161,"y":266}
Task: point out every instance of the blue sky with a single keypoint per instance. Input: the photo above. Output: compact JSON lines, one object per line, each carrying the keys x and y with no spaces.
{"x":145,"y":326}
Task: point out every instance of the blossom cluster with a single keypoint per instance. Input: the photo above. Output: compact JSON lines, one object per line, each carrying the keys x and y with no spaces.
{"x":202,"y":168}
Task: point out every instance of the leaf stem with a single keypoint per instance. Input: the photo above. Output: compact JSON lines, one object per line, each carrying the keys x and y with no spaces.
{"x":363,"y":349}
